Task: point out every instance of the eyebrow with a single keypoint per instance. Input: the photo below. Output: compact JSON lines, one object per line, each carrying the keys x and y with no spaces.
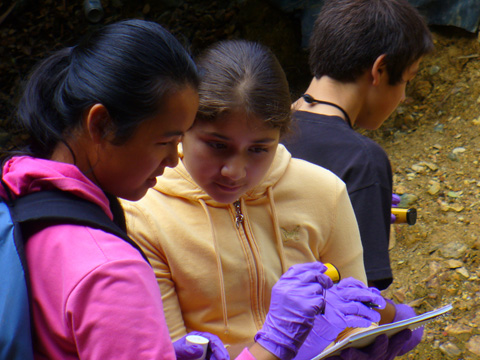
{"x":259,"y":141}
{"x":173,"y":133}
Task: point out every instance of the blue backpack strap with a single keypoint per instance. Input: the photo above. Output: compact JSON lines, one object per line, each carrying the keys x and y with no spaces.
{"x":15,"y":332}
{"x":63,"y":207}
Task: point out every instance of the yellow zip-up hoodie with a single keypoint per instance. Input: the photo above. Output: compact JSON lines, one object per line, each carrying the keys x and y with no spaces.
{"x":217,"y":263}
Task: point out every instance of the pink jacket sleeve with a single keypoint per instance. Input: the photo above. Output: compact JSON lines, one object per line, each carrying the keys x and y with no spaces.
{"x":116,"y":313}
{"x":94,"y":297}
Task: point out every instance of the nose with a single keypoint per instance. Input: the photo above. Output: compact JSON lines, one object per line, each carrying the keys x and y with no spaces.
{"x":234,"y":168}
{"x":171,"y":160}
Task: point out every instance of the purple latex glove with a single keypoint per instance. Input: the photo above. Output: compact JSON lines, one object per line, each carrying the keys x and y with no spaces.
{"x":296,"y":298}
{"x":382,"y":348}
{"x":344,"y":309}
{"x":403,"y":312}
{"x":395,"y":202}
{"x":185,"y":351}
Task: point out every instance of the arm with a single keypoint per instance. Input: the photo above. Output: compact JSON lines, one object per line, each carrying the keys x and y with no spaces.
{"x":116,"y":312}
{"x":372,"y":207}
{"x":144,"y":230}
{"x":344,"y":247}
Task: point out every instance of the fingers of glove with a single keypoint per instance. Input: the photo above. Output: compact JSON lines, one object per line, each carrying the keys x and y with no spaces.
{"x":353,"y":354}
{"x":393,"y":218}
{"x":355,"y":321}
{"x":217,"y":353}
{"x":333,"y":321}
{"x":378,"y":349}
{"x":185,"y":351}
{"x":358,"y":309}
{"x":216,"y":349}
{"x":416,"y":338}
{"x":306,"y":278}
{"x":397,"y":342}
{"x":375,"y":351}
{"x":300,"y":269}
{"x":306,"y":304}
{"x":293,"y":279}
{"x":352,"y":284}
{"x":355,"y":305}
{"x":294,"y":288}
{"x":402,"y":312}
{"x":357,"y":295}
{"x":395,"y":199}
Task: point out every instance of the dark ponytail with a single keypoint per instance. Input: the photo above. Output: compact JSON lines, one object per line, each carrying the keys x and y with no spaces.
{"x":37,"y":112}
{"x":129,"y":67}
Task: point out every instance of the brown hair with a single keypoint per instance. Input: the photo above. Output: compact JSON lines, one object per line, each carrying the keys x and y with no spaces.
{"x":243,"y":75}
{"x":349,"y":35}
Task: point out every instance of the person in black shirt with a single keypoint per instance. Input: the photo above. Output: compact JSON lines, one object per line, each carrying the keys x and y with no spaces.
{"x":362,"y":55}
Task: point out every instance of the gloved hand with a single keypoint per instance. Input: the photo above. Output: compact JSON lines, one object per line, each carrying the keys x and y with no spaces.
{"x":344,"y":309}
{"x":395,"y":201}
{"x":402,"y":312}
{"x":186,"y":351}
{"x":382,"y":348}
{"x":296,"y":298}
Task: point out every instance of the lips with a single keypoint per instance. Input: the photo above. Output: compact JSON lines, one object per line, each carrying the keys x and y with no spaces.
{"x":152,"y":182}
{"x":229,"y":188}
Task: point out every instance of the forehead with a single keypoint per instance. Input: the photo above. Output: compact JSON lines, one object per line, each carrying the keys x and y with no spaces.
{"x":238,"y":120}
{"x":176,"y":115}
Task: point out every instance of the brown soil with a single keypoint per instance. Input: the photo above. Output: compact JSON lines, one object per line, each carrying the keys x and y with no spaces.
{"x":432,"y":141}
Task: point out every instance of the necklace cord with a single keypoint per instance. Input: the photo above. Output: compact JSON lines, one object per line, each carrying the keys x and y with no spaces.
{"x":310,"y":100}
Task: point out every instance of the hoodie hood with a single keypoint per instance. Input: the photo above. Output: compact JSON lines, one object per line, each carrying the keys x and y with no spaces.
{"x":177,"y":182}
{"x":24,"y":175}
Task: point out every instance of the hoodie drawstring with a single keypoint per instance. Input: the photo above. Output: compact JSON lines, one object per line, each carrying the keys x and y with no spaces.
{"x":276,"y":228}
{"x":219,"y":267}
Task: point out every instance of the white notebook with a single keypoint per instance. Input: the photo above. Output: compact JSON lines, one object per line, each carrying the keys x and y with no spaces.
{"x":364,"y":338}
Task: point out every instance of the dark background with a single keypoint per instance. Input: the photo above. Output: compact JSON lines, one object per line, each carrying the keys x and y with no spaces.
{"x":30,"y":30}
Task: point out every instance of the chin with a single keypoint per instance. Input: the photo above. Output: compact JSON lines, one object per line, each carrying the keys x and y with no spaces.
{"x":134,"y":196}
{"x":223,"y":198}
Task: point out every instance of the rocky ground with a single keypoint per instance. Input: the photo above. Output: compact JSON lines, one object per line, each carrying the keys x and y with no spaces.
{"x":432,"y":139}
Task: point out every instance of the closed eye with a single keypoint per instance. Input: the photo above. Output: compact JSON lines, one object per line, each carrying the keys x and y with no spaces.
{"x":216,"y":145}
{"x":258,"y":150}
{"x":174,"y":141}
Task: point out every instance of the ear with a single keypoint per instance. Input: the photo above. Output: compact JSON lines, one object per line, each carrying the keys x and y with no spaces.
{"x":97,"y":122}
{"x":379,"y":70}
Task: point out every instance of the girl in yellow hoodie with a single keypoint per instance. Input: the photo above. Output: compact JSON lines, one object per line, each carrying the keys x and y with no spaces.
{"x":223,"y":226}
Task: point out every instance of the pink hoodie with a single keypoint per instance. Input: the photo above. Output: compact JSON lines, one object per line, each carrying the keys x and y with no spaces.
{"x":94,"y":296}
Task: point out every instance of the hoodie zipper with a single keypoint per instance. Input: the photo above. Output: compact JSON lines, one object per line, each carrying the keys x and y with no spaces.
{"x":257,"y":311}
{"x":238,"y":214}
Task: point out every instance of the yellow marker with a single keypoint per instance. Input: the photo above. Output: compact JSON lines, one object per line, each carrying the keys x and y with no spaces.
{"x":402,"y":215}
{"x":332,"y":272}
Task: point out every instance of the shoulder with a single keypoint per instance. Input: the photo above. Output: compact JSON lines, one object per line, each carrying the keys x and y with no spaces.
{"x":78,"y":249}
{"x":304,"y":176}
{"x":308,"y":168}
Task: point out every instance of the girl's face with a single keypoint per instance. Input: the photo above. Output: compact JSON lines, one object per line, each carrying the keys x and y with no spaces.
{"x":130,"y":169}
{"x":231,"y":155}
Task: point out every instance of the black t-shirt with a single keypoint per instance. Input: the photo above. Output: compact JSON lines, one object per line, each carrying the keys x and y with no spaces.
{"x":363,"y":165}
